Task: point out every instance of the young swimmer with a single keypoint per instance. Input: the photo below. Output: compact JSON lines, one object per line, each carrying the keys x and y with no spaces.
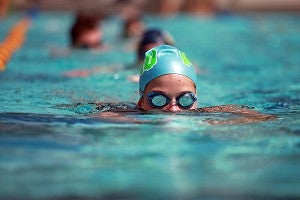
{"x":168,"y":83}
{"x":133,"y":26}
{"x":85,"y":33}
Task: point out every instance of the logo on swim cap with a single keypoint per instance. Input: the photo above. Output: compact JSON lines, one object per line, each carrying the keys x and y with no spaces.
{"x":150,"y":61}
{"x":185,"y":60}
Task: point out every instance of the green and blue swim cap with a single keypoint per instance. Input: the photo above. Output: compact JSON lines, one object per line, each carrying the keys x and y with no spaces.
{"x":162,"y":60}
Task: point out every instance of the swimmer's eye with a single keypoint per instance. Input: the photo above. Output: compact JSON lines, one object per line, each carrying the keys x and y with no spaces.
{"x":159,"y":101}
{"x":186,"y":100}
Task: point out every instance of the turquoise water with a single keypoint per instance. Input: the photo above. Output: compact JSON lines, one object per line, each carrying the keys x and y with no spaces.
{"x":51,"y":148}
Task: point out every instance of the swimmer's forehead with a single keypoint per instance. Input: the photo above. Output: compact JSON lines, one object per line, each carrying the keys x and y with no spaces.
{"x":173,"y":82}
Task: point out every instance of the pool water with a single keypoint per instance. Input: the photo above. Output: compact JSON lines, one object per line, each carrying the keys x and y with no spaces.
{"x":51,"y":148}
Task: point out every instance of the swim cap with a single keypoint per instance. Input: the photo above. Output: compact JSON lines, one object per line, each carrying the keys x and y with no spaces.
{"x":153,"y":36}
{"x":162,"y":60}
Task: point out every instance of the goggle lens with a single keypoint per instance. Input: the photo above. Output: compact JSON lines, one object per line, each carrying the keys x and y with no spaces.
{"x":159,"y":101}
{"x":186,"y":100}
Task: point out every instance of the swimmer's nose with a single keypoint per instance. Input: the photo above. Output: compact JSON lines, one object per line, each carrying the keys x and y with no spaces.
{"x":172,"y":107}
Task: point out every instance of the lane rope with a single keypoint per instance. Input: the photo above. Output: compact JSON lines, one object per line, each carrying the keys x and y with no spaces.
{"x":14,"y":41}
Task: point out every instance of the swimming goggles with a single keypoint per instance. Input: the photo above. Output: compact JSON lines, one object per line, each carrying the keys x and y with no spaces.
{"x":159,"y":100}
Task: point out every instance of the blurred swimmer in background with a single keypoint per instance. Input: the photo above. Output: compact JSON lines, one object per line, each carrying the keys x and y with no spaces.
{"x":86,"y":32}
{"x":133,"y":27}
{"x":150,"y":38}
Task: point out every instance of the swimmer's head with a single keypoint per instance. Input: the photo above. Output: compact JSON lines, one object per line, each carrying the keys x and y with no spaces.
{"x":152,"y":38}
{"x":133,"y":26}
{"x":85,"y":32}
{"x":163,"y":60}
